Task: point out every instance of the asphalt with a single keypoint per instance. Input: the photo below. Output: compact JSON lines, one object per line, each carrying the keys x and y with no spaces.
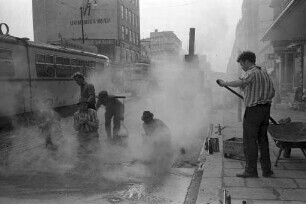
{"x":287,"y":185}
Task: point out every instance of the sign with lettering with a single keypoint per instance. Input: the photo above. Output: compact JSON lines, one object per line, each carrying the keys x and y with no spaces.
{"x":99,"y":20}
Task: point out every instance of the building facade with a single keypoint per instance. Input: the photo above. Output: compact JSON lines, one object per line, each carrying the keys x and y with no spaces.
{"x":111,"y":26}
{"x":287,"y":34}
{"x":164,"y":45}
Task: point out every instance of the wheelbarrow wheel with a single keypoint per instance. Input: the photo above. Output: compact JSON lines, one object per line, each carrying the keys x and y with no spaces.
{"x":226,"y":155}
{"x":287,"y":152}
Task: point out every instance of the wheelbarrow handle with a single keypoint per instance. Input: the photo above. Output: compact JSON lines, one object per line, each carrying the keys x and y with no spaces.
{"x":237,"y":94}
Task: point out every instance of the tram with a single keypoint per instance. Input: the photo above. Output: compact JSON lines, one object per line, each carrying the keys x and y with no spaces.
{"x":32,"y":72}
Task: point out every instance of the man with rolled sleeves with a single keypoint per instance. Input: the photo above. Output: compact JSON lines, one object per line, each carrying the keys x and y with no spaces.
{"x":258,"y":93}
{"x":87,"y":90}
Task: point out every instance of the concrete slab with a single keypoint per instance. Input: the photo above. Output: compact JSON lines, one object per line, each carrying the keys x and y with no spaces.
{"x":233,"y":182}
{"x":251,"y":193}
{"x":294,"y":166}
{"x":239,"y":201}
{"x":292,"y":194}
{"x":301,"y":182}
{"x":210,"y":191}
{"x":213,"y":166}
{"x":233,"y":164}
{"x":290,"y":174}
{"x":271,"y":183}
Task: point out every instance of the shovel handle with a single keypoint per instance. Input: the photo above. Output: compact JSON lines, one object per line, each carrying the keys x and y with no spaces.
{"x":237,"y":94}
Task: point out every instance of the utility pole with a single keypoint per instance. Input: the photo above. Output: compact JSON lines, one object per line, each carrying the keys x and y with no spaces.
{"x":239,"y":108}
{"x":81,"y":9}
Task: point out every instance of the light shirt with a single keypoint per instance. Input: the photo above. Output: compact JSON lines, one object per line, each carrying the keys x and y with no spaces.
{"x":257,"y":87}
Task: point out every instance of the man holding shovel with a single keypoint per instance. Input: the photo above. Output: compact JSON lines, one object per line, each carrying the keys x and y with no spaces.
{"x":258,"y":93}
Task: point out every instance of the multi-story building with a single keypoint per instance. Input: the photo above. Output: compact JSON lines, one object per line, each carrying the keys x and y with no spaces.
{"x":256,"y":18}
{"x":112,"y":26}
{"x":288,"y":37}
{"x":164,"y":45}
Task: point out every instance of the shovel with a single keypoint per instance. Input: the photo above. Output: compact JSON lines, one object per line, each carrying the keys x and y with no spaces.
{"x":237,"y":94}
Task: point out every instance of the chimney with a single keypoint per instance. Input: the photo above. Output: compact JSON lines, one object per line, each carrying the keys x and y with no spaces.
{"x":191,"y":41}
{"x":156,"y":30}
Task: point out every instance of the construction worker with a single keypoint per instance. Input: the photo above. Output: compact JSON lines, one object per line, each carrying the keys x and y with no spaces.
{"x":49,"y":125}
{"x":87,"y":90}
{"x":158,"y":148}
{"x":86,"y":123}
{"x":154,"y":127}
{"x":114,"y":109}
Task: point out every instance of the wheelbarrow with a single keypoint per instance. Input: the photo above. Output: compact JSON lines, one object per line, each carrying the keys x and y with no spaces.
{"x":287,"y":136}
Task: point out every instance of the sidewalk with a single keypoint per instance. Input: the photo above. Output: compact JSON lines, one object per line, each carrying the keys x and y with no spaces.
{"x":287,"y":185}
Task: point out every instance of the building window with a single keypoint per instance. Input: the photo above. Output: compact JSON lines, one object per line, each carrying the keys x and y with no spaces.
{"x":122,"y":12}
{"x":137,"y":39}
{"x":122,"y":32}
{"x":131,"y":37}
{"x":126,"y":33}
{"x":133,"y":19}
{"x":136,"y":3}
{"x":136,"y":21}
{"x":126,"y":14}
{"x":130,"y":17}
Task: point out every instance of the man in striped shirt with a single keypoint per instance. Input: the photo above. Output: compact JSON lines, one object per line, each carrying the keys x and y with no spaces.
{"x":258,"y":93}
{"x":86,"y":123}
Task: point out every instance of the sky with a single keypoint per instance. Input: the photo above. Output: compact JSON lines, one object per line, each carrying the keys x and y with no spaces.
{"x":214,"y":20}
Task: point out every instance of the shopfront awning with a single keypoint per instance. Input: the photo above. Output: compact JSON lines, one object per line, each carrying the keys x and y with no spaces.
{"x":290,"y":25}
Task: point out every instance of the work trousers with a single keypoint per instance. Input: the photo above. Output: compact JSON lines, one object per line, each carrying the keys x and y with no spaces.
{"x":255,"y":126}
{"x":117,"y":117}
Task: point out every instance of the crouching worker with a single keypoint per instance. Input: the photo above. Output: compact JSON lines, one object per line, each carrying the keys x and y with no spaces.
{"x":157,"y":143}
{"x":86,"y":123}
{"x":114,"y":109}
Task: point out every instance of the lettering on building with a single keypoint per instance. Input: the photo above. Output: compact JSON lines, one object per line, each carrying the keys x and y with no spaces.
{"x":91,"y":21}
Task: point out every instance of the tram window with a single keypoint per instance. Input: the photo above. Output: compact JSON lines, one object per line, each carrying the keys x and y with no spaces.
{"x":100,"y":65}
{"x":76,"y":69}
{"x":6,"y":63}
{"x":91,"y":64}
{"x":44,"y":70}
{"x":7,"y":68}
{"x":40,"y":58}
{"x":6,"y":54}
{"x":81,"y":63}
{"x":63,"y":71}
{"x":59,"y":60}
{"x":49,"y":59}
{"x":74,"y":62}
{"x":66,"y":61}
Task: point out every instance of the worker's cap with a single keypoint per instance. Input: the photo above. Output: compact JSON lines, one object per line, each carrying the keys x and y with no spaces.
{"x":82,"y":100}
{"x":77,"y":74}
{"x":147,"y":115}
{"x":102,"y":94}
